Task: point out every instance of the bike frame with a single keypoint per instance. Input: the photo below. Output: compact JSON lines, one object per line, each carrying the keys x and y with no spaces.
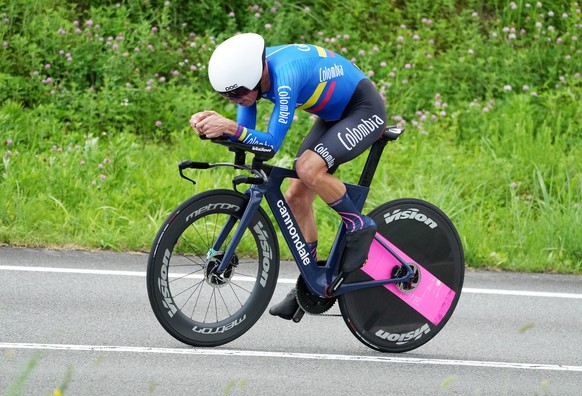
{"x":317,"y":278}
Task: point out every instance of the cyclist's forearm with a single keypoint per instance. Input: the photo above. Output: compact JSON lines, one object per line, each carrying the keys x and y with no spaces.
{"x":253,"y":136}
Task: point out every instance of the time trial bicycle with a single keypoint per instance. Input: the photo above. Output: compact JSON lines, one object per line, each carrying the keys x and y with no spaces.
{"x":214,"y":263}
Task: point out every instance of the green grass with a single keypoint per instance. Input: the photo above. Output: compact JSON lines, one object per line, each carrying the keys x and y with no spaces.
{"x":515,"y":202}
{"x":93,"y":116}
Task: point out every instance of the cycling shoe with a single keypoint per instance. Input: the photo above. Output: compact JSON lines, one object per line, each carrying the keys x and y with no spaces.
{"x":357,"y":248}
{"x":286,"y":308}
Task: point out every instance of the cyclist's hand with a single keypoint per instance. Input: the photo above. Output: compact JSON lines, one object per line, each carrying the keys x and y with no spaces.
{"x":210,"y":124}
{"x":198,"y":117}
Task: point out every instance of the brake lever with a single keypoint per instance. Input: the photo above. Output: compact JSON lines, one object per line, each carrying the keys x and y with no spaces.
{"x":186,"y":165}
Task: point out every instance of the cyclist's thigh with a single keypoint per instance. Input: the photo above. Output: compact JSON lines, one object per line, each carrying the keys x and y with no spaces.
{"x":319,"y":128}
{"x":361,"y":125}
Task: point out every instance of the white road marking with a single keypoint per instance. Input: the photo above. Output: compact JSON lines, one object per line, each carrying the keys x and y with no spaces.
{"x":292,"y":355}
{"x":71,"y":271}
{"x":523,"y":293}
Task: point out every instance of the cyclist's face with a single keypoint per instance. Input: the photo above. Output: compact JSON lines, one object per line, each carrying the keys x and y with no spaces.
{"x":246,"y":100}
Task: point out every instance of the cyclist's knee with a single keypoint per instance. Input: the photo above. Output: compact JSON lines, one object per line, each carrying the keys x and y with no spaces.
{"x":310,"y":168}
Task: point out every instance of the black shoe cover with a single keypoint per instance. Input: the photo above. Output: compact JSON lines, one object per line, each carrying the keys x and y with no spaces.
{"x":357,"y":248}
{"x":286,"y":308}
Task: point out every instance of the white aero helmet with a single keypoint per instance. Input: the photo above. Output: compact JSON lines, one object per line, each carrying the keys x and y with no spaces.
{"x":236,"y":65}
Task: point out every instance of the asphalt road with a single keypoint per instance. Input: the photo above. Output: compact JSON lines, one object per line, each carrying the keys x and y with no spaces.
{"x":82,"y":321}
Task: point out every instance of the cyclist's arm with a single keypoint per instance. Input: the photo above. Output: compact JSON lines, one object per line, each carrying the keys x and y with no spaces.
{"x":279,"y":124}
{"x":247,"y":115}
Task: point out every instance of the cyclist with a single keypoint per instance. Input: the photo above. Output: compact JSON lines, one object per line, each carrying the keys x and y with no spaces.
{"x":350,"y":118}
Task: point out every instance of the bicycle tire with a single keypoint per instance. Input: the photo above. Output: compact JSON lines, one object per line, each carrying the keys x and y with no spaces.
{"x":190,"y":303}
{"x":379,"y":316}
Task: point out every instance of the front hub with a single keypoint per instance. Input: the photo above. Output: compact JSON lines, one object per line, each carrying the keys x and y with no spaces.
{"x":215,"y":279}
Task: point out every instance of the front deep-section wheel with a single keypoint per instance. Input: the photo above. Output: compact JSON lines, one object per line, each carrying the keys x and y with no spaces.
{"x":191,"y":300}
{"x":401,"y":317}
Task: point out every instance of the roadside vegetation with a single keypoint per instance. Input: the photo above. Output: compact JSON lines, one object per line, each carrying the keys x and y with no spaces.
{"x":95,"y":98}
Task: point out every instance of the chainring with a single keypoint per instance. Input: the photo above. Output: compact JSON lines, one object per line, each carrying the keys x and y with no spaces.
{"x":309,"y":302}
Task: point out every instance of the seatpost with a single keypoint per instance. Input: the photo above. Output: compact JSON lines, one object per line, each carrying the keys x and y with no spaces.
{"x":372,"y":161}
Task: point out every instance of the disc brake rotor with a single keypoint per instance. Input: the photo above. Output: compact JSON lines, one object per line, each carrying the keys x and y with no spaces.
{"x":219,"y":280}
{"x":410,"y":285}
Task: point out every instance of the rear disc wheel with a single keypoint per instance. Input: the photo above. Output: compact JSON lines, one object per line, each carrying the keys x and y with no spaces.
{"x":385,"y":317}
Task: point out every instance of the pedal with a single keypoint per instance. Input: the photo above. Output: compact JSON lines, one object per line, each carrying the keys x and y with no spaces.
{"x":298,"y":315}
